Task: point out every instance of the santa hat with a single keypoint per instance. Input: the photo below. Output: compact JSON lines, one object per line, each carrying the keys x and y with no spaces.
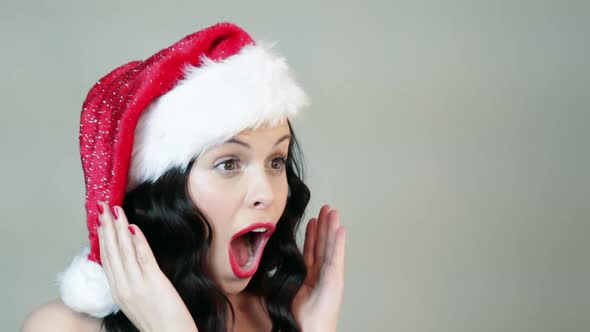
{"x":149,"y":116}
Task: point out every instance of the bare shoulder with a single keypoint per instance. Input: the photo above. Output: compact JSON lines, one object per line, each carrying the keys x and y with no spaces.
{"x":56,"y":316}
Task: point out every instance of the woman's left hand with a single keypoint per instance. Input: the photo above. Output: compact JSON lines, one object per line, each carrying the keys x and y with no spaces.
{"x":317,"y":304}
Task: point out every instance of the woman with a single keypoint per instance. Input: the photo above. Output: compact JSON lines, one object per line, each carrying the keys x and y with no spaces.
{"x":194,"y":198}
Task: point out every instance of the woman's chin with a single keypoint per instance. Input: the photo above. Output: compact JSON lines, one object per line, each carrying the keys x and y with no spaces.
{"x":233,"y":286}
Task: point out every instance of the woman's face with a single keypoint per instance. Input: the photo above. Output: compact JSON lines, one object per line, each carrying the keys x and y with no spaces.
{"x":241,"y":188}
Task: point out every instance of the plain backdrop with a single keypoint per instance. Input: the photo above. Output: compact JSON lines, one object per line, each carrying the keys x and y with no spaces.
{"x":453,"y":136}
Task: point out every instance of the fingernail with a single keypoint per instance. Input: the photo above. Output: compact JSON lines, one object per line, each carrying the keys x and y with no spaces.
{"x":115,"y":212}
{"x":99,"y":208}
{"x":98,"y":222}
{"x":131,"y":229}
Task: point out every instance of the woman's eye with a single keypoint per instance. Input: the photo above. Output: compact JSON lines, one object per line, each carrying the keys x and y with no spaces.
{"x":279,"y":163}
{"x":229,"y":165}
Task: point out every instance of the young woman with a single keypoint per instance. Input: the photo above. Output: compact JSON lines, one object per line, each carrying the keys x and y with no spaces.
{"x":194,"y":198}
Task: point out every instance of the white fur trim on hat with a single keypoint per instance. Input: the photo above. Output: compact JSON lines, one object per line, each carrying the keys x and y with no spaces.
{"x":214,"y":102}
{"x":84,"y":287}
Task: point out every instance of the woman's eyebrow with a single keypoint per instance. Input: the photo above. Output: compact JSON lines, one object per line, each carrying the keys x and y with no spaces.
{"x":236,"y":141}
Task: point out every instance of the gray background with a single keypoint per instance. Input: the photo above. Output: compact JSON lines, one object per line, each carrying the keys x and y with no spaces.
{"x":452,"y":136}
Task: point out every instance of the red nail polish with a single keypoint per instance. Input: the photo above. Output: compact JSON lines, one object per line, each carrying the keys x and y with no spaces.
{"x":99,"y":208}
{"x":98,"y":223}
{"x":131,"y":229}
{"x":115,"y":212}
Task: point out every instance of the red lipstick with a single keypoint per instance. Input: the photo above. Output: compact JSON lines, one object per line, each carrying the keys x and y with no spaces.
{"x":246,"y":247}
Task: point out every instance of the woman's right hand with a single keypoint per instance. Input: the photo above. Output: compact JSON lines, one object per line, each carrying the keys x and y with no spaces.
{"x":140,"y":289}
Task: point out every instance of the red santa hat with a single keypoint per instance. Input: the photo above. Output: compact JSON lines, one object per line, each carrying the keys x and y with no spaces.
{"x":149,"y":116}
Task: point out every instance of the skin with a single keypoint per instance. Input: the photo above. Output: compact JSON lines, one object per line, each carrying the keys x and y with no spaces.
{"x":232,"y":194}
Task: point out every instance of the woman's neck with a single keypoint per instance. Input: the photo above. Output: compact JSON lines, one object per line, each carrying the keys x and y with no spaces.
{"x":242,"y":300}
{"x":251,"y":313}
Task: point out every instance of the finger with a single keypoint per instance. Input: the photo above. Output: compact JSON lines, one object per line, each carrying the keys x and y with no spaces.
{"x":332,"y":274}
{"x":111,"y":247}
{"x":321,"y":234}
{"x":309,"y":245}
{"x":332,"y":271}
{"x":126,"y":246}
{"x":339,"y":251}
{"x":333,"y":221}
{"x":145,"y":256}
{"x":103,"y":256}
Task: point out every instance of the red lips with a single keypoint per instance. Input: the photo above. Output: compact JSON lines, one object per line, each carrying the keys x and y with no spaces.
{"x":246,"y":247}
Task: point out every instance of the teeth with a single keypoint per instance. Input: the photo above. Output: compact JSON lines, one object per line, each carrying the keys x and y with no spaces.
{"x":259,"y":230}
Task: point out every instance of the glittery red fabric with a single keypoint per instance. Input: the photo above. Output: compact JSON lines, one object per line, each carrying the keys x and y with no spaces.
{"x":114,"y":104}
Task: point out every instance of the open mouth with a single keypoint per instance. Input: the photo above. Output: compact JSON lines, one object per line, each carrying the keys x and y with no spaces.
{"x":246,"y":247}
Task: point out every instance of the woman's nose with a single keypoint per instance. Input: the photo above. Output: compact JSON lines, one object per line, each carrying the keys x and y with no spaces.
{"x":261,"y":193}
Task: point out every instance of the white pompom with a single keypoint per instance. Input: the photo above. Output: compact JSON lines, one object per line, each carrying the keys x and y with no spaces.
{"x":84,"y":287}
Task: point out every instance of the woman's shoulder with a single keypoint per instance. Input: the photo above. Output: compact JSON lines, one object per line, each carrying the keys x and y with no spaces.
{"x":56,"y":316}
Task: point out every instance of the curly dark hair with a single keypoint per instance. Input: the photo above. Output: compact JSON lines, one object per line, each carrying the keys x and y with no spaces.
{"x":165,"y":213}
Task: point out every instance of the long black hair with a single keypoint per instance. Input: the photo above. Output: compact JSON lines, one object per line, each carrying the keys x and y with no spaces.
{"x":180,"y":237}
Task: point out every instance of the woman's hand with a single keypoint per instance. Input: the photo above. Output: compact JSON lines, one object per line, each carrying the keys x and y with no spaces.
{"x":139,"y":287}
{"x":317,"y":304}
